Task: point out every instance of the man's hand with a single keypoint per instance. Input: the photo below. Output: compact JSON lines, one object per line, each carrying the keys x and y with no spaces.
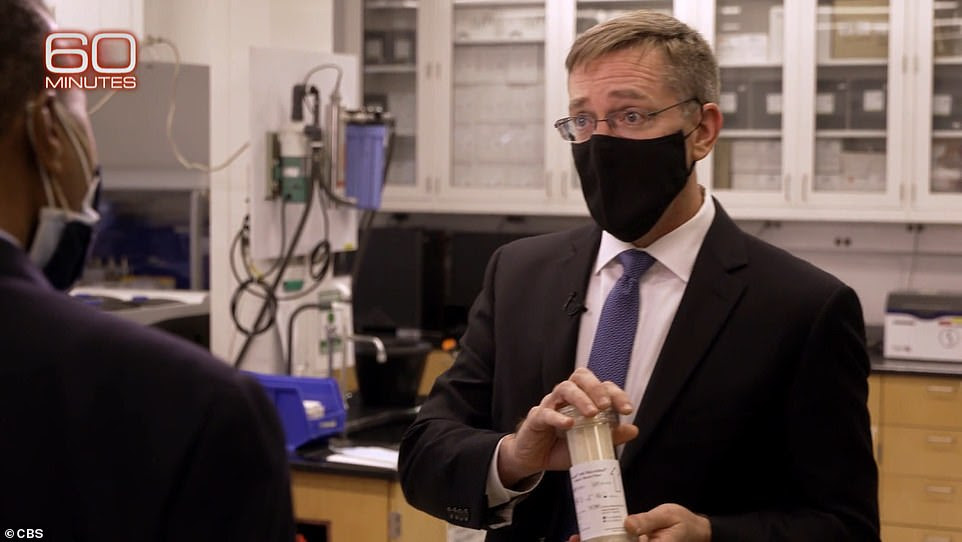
{"x":666,"y":523}
{"x":669,"y":523}
{"x":539,"y":445}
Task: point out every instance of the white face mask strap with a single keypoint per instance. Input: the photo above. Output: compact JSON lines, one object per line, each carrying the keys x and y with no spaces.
{"x":74,"y":142}
{"x":31,"y":135}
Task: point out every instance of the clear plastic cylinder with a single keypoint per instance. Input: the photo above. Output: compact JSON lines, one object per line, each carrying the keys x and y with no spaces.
{"x":596,"y":484}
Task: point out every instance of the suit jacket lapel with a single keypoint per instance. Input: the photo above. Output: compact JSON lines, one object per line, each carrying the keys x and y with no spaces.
{"x":569,"y":276}
{"x":711,"y":294}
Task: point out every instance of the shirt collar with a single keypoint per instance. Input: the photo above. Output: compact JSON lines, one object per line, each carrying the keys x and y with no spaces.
{"x":675,"y":250}
{"x":8,"y":237}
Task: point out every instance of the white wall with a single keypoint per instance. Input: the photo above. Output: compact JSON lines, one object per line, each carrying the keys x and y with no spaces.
{"x":219,"y":33}
{"x":877,"y":258}
{"x":93,"y":15}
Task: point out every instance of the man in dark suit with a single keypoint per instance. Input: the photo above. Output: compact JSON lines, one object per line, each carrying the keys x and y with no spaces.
{"x":108,"y":431}
{"x":742,"y":393}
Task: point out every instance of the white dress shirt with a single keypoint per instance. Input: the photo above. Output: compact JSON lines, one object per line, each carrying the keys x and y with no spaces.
{"x":660,"y":289}
{"x":7,"y":236}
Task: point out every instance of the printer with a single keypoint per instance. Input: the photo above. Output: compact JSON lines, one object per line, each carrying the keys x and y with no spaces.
{"x":923,"y":326}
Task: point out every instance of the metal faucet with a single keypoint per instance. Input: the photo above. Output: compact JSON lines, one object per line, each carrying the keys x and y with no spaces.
{"x":381,"y":355}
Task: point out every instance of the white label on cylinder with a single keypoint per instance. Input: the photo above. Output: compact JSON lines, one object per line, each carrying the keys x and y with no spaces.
{"x":599,"y":498}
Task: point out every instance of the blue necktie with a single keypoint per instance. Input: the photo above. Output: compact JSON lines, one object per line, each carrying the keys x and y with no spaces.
{"x":611,"y":348}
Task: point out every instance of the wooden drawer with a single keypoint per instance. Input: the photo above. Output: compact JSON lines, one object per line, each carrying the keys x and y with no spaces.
{"x":892,"y":533}
{"x":925,"y":401}
{"x":922,"y":452}
{"x":920,"y":501}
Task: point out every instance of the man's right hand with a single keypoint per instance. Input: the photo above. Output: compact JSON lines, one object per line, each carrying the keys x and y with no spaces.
{"x":539,"y":443}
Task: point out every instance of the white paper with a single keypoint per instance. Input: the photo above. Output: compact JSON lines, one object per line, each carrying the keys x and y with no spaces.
{"x":942,"y":105}
{"x":728,"y":102}
{"x":873,"y":101}
{"x":825,"y":103}
{"x":367,"y":456}
{"x":773,"y":103}
{"x":599,"y":498}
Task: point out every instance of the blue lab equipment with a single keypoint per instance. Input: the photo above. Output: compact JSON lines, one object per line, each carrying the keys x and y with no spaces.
{"x":366,"y":155}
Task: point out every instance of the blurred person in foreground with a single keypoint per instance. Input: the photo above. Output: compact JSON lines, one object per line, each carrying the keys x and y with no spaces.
{"x":110,"y":431}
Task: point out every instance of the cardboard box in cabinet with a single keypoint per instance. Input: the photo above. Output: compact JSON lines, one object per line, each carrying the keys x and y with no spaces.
{"x":742,"y":48}
{"x":860,"y":29}
{"x":867,"y":104}
{"x":946,"y":102}
{"x":762,"y":156}
{"x":402,"y":46}
{"x":766,"y":103}
{"x":734,"y":100}
{"x":831,"y":100}
{"x":375,"y":48}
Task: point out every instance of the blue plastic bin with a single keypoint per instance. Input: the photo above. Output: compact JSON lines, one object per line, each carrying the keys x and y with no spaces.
{"x":289,"y":393}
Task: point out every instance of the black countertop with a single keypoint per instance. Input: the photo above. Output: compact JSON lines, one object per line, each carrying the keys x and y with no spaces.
{"x":915,"y":367}
{"x":365,"y":426}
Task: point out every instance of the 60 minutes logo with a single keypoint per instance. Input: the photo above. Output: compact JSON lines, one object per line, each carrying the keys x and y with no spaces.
{"x":76,"y":60}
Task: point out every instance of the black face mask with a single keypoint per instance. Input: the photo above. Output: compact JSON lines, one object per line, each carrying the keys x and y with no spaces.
{"x":628,"y":183}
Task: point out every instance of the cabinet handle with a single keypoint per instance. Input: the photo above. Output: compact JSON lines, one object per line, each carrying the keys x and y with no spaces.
{"x":805,"y":187}
{"x":786,"y":182}
{"x":940,"y":439}
{"x":940,"y":490}
{"x":936,"y":538}
{"x":943,"y":390}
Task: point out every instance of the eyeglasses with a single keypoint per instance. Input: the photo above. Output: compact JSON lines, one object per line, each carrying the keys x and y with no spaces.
{"x":627,"y":122}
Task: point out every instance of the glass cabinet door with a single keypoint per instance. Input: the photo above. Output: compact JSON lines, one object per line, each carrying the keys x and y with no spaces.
{"x":748,"y":157}
{"x":497,"y":81}
{"x":852,"y":99}
{"x":390,"y":78}
{"x":945,"y":169}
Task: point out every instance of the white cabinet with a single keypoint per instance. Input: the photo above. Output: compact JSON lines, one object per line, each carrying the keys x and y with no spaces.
{"x":864,"y":130}
{"x":936,"y":65}
{"x":811,"y":109}
{"x":834,"y":109}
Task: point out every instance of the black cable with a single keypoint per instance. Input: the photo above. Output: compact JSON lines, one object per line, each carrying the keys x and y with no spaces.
{"x":269,"y":301}
{"x":290,"y":332}
{"x":267,"y":305}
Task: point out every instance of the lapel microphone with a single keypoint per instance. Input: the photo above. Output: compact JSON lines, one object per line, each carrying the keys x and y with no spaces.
{"x":573,"y":306}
